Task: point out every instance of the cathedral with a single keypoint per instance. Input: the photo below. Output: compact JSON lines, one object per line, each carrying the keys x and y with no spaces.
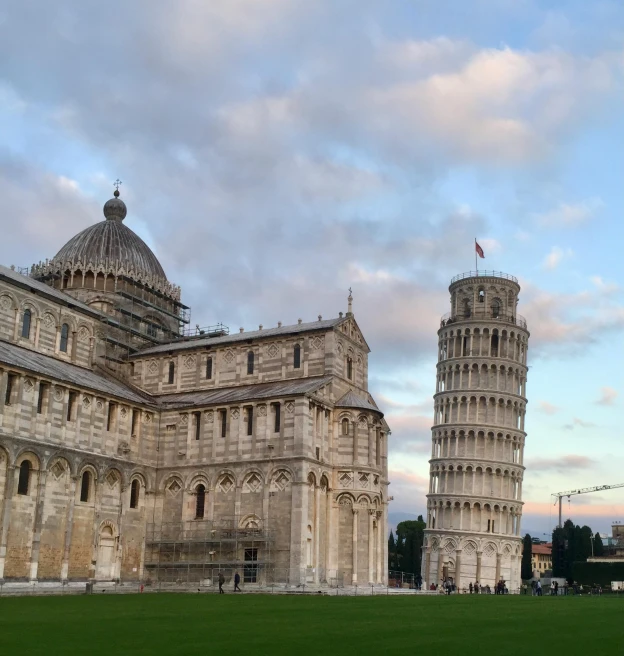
{"x":134,"y":448}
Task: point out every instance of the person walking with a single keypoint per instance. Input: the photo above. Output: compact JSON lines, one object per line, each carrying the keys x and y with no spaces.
{"x":470,"y":587}
{"x":538,"y":588}
{"x":236,"y":582}
{"x":221,"y":582}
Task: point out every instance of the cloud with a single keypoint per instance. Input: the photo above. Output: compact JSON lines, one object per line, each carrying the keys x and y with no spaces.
{"x":563,"y":323}
{"x":576,"y":422}
{"x":569,"y":215}
{"x":555,"y":257}
{"x":607,"y":396}
{"x":603,"y":286}
{"x":562,"y":464}
{"x":547,"y":408}
{"x":408,"y":489}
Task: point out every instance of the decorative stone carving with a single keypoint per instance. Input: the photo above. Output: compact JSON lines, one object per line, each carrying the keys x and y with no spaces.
{"x":86,"y":402}
{"x":147,"y":417}
{"x":99,"y":404}
{"x":235,"y":413}
{"x":111,"y":477}
{"x":57,"y":469}
{"x":152,"y":367}
{"x":123,"y":413}
{"x":280,"y":480}
{"x":123,"y":448}
{"x":290,"y":407}
{"x":48,"y":320}
{"x":83,"y":334}
{"x":262,"y":410}
{"x":5,"y":302}
{"x":272,"y":350}
{"x":229,"y":356}
{"x":209,"y":414}
{"x":189,"y":362}
{"x":59,"y":393}
{"x":184,"y":419}
{"x":174,"y":487}
{"x":225,"y":483}
{"x":316,"y":343}
{"x":253,"y":483}
{"x":345,"y":479}
{"x":29,"y":385}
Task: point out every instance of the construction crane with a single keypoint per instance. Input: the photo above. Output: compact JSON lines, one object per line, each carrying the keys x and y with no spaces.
{"x":583,"y":490}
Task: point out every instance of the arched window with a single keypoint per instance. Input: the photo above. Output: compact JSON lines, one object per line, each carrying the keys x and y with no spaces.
{"x":349,"y":368}
{"x":297,"y":356}
{"x":64,"y":338}
{"x":481,"y":296}
{"x":208,"y":368}
{"x":24,"y":477}
{"x":250,"y":363}
{"x":26,"y":321}
{"x":495,"y":308}
{"x":200,"y":502}
{"x":85,"y":487}
{"x":466,"y":308}
{"x":135,"y":489}
{"x":345,"y":426}
{"x":171,"y":378}
{"x":494,"y":343}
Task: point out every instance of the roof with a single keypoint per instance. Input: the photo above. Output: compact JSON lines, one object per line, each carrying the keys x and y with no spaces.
{"x":204,"y":342}
{"x":44,"y":365}
{"x":353,"y":400}
{"x":244,"y":392}
{"x":542,"y":549}
{"x":15,"y":278}
{"x":113,"y":242}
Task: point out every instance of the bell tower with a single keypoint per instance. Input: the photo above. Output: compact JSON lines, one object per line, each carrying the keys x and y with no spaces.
{"x":474,"y":504}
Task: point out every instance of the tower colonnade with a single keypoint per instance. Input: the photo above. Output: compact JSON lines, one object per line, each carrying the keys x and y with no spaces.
{"x":474,"y":503}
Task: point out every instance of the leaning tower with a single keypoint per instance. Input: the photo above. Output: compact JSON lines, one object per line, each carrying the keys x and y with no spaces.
{"x":474,"y":505}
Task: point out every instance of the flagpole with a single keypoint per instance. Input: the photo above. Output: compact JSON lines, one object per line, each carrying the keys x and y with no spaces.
{"x":476,"y":265}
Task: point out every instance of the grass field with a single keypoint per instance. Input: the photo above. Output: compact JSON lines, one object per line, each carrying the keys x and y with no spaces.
{"x":254,"y":624}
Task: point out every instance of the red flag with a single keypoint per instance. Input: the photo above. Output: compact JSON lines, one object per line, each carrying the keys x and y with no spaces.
{"x":479,"y":250}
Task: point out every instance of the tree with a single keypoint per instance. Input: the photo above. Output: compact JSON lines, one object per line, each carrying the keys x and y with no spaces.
{"x":570,"y":544}
{"x":410,"y":538}
{"x":391,"y":552}
{"x":527,"y":550}
{"x":558,"y":552}
{"x":598,"y":546}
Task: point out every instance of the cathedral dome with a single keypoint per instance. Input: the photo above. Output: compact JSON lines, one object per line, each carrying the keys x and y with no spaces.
{"x":104,"y":252}
{"x":112,"y":242}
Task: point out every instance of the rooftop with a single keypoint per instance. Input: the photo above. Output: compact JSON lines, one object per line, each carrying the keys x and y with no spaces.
{"x":65,"y":372}
{"x":26,"y":282}
{"x":484,"y":274}
{"x":203,"y":342}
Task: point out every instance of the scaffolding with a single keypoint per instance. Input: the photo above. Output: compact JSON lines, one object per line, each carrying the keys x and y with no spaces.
{"x":197,"y":551}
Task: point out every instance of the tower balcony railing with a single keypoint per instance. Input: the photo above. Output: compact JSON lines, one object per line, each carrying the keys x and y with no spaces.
{"x":484,"y":274}
{"x":481,"y":314}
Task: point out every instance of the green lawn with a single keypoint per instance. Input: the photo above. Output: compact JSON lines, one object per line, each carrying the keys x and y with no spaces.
{"x":257,"y":625}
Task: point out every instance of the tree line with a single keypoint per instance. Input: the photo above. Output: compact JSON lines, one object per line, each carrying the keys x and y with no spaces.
{"x":405,"y":550}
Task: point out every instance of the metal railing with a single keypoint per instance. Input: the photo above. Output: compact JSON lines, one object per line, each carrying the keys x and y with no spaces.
{"x":484,"y":274}
{"x":481,"y":314}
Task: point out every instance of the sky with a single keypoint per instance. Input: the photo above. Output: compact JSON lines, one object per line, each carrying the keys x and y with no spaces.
{"x":275,"y":153}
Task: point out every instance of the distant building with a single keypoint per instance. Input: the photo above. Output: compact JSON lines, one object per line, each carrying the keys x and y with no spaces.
{"x":541,"y":558}
{"x":613,"y":546}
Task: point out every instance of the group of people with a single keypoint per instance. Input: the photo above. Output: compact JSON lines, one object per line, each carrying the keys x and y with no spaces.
{"x":222,"y":582}
{"x":448,"y":587}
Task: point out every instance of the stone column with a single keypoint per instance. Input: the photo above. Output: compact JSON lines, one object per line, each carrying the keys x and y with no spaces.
{"x":458,"y":553}
{"x":440,"y":563}
{"x":317,"y":532}
{"x":371,"y":545}
{"x":6,"y":515}
{"x":298,"y":516}
{"x":382,"y":563}
{"x":69,"y":524}
{"x":498,"y":568}
{"x":428,"y":568}
{"x":355,"y":546}
{"x":329,"y":533}
{"x":479,"y":554}
{"x":37,"y":524}
{"x":371,"y":445}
